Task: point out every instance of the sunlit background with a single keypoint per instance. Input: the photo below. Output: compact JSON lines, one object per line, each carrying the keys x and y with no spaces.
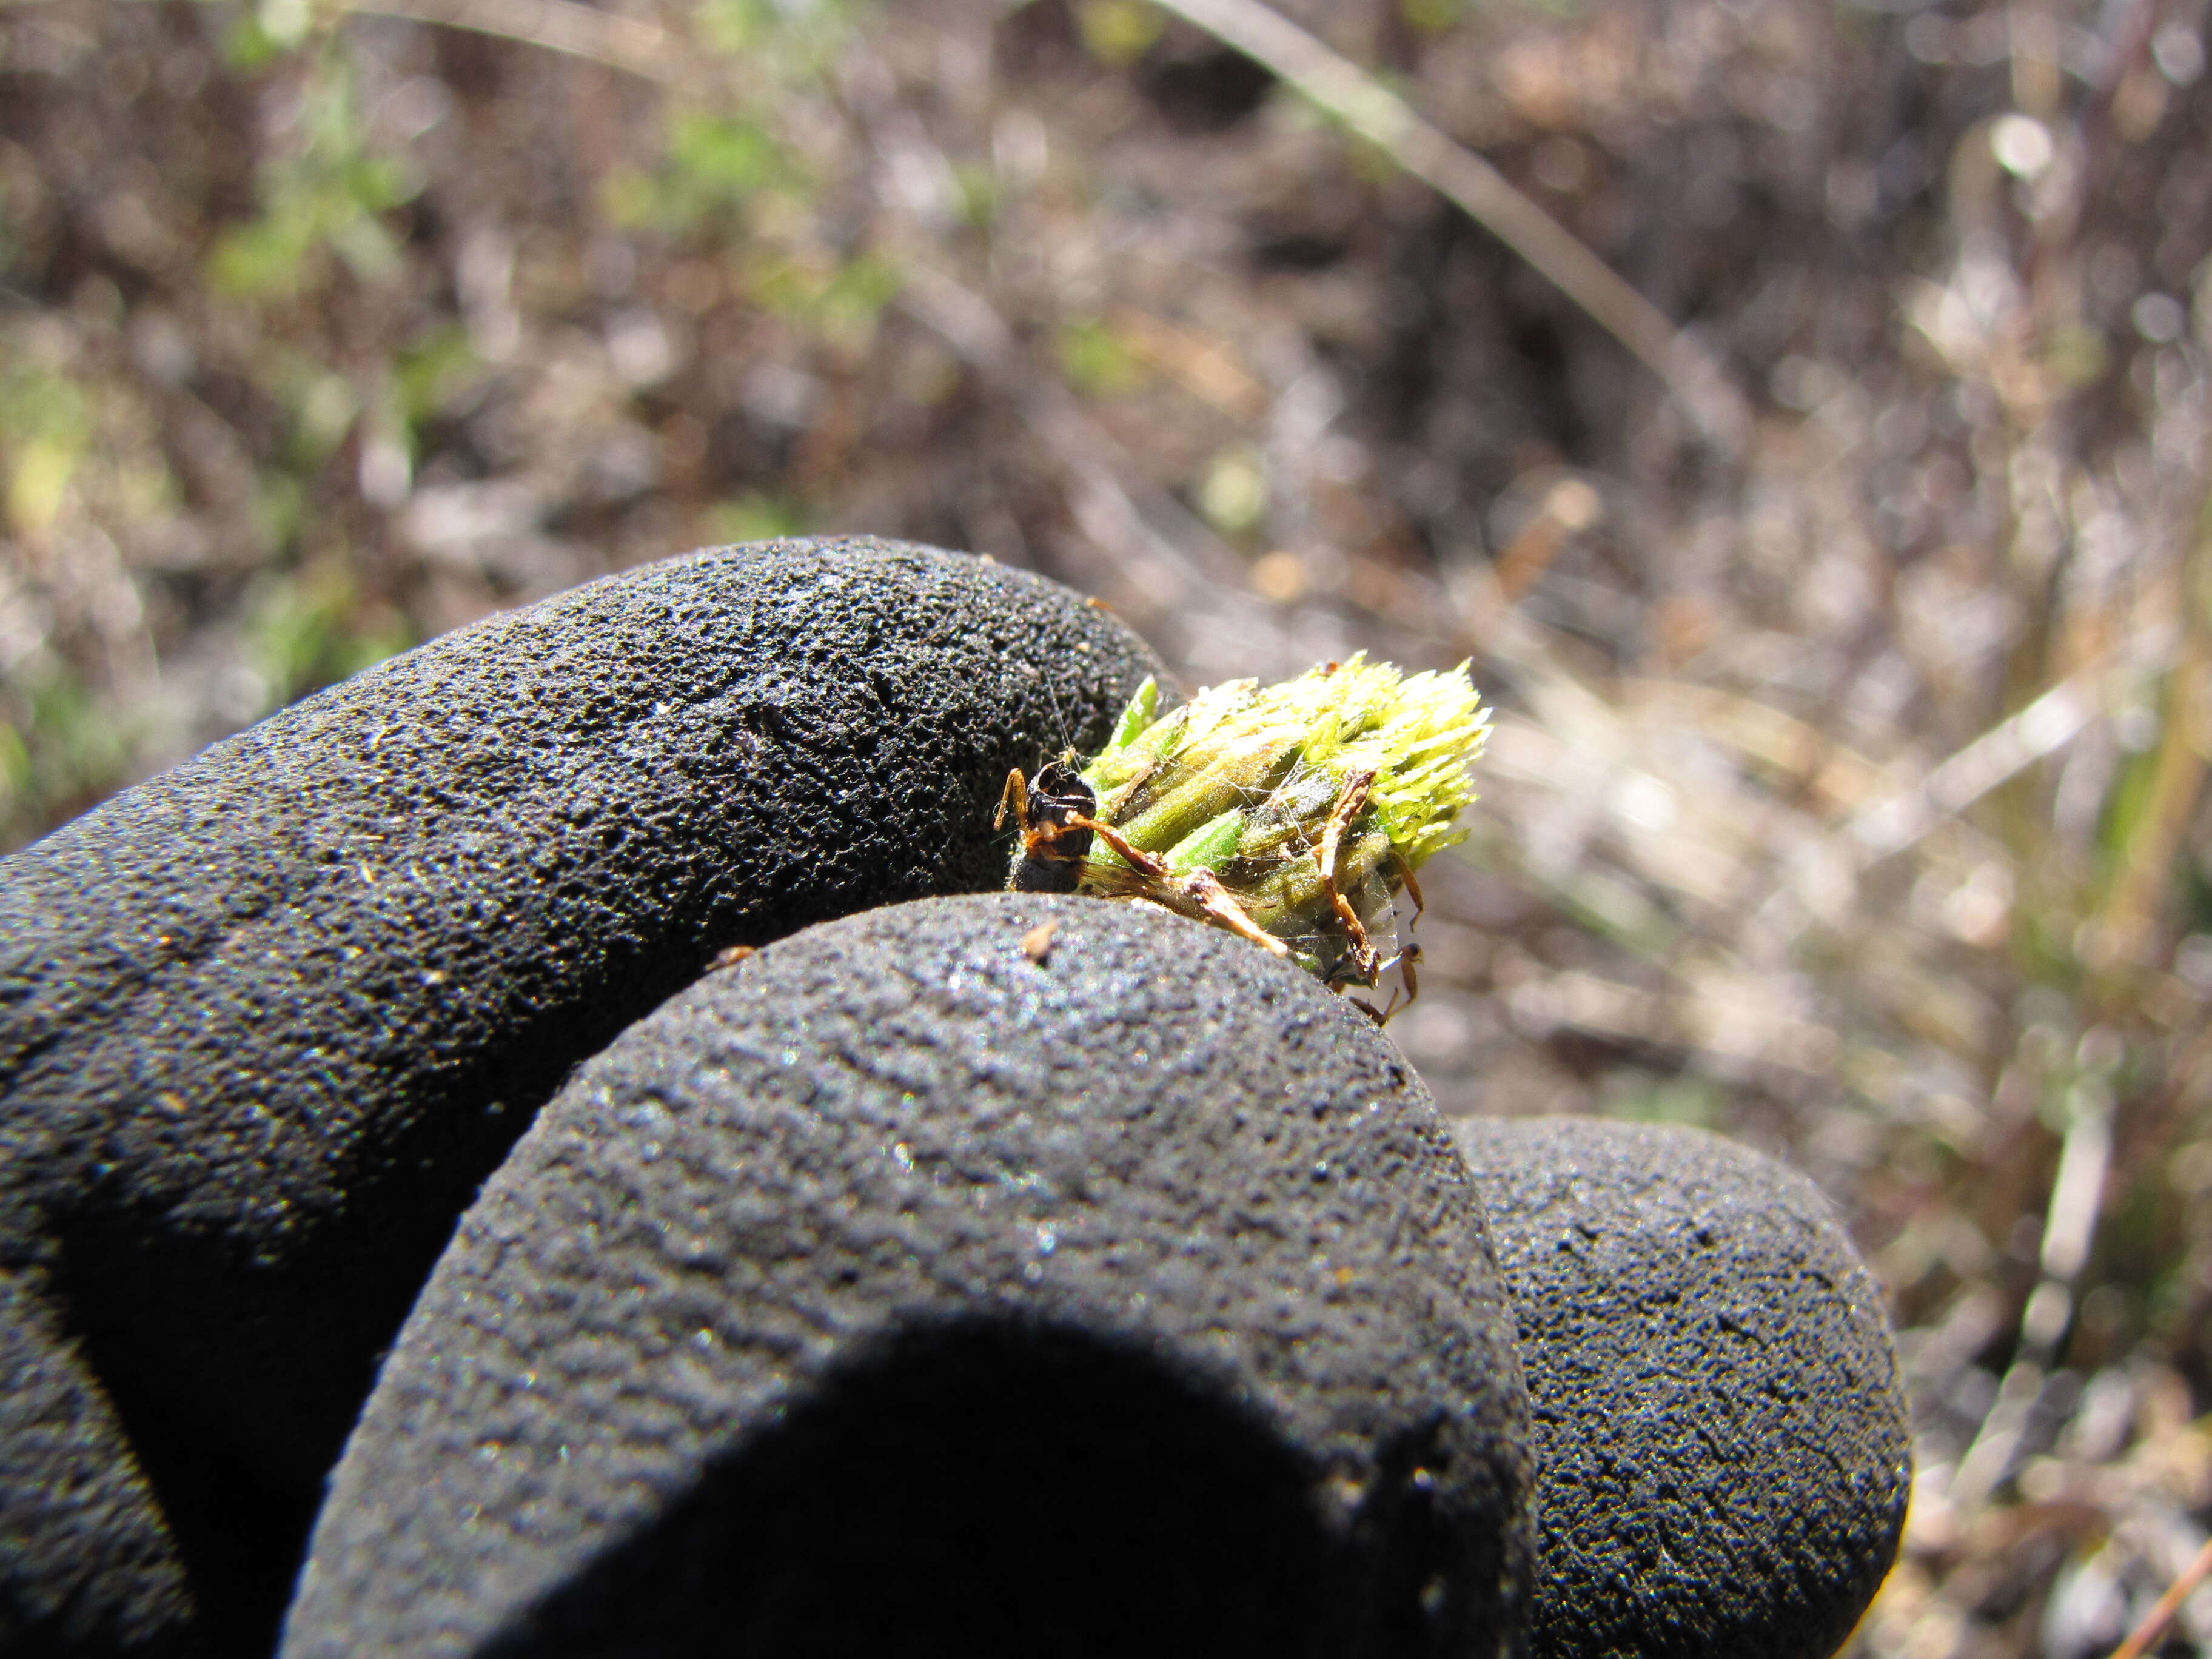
{"x":1848,"y":789}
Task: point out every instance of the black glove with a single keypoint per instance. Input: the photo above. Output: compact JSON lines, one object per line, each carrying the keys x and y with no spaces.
{"x":931,"y":1284}
{"x":269,"y":1020}
{"x":1722,"y":1437}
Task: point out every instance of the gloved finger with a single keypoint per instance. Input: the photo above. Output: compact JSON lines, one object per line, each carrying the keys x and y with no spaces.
{"x":1723,"y":1441}
{"x":1009,"y":1273}
{"x":267,"y":1020}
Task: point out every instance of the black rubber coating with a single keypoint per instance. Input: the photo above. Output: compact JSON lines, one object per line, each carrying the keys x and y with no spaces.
{"x":85,"y":1558}
{"x":267,"y":1020}
{"x":1024,"y":1274}
{"x":1722,"y":1443}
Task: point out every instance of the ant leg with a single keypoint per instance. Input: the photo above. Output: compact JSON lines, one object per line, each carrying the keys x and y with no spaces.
{"x":1412,"y":987}
{"x":1139,"y":860}
{"x":1406,"y":960}
{"x":1204,"y":889}
{"x":1348,"y":804}
{"x":1405,"y":874}
{"x":1016,"y":793}
{"x":1409,"y":954}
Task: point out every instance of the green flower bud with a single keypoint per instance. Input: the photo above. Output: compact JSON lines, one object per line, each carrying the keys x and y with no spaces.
{"x":1293,"y":813}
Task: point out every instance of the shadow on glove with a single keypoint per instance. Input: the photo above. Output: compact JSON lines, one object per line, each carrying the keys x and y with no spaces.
{"x":969,"y":1485}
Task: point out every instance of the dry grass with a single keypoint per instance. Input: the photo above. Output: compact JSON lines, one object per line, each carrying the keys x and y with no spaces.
{"x":1848,"y":795}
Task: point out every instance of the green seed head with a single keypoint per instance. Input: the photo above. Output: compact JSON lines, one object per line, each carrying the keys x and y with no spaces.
{"x":1243,"y":782}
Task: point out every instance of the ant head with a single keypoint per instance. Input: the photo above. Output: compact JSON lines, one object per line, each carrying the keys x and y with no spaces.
{"x":1058,"y":793}
{"x":1054,"y":818}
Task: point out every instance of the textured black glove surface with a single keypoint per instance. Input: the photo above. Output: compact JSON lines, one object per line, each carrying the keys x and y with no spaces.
{"x":1723,"y":1441}
{"x":923,"y":1285}
{"x":268,"y":1020}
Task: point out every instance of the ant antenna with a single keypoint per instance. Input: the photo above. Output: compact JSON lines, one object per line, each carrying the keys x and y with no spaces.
{"x":1059,"y":714}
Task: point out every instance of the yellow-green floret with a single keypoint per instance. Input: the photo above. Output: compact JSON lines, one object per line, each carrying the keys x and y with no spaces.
{"x":1242,"y":781}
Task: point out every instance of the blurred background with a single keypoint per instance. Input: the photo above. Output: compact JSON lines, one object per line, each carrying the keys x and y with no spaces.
{"x":1855,"y":671}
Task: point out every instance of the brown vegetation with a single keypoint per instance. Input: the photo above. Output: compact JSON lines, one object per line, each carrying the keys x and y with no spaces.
{"x":1848,"y":795}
